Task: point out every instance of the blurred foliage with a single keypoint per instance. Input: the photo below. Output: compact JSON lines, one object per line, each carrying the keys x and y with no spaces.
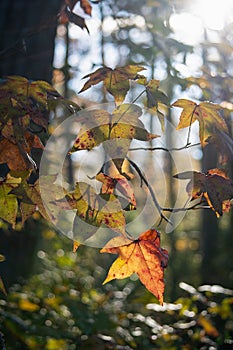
{"x":62,"y":307}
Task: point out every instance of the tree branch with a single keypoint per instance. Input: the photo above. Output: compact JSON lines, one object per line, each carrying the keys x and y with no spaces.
{"x":143,"y":179}
{"x":188,"y":145}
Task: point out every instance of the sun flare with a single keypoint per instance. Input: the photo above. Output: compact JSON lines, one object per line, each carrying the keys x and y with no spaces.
{"x":214,"y":14}
{"x":201,"y":15}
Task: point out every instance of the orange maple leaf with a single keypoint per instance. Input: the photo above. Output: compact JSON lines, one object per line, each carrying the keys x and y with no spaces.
{"x":143,"y":256}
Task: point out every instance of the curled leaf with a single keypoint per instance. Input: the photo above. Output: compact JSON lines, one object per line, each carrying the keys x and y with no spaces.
{"x":213,"y":185}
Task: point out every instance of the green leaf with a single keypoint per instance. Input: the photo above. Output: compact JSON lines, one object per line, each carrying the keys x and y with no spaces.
{"x":8,"y":201}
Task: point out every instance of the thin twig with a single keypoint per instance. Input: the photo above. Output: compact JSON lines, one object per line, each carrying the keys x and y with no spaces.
{"x":194,"y":207}
{"x":142,"y":177}
{"x":188,"y":145}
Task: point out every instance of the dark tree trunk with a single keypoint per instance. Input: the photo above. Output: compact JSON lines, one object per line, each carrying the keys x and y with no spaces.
{"x":209,"y":230}
{"x":27,"y":33}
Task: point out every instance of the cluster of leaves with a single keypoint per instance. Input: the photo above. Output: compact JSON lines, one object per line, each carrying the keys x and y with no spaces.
{"x":67,"y":13}
{"x":26,"y":106}
{"x":103,"y":126}
{"x":25,"y":109}
{"x":63,"y":307}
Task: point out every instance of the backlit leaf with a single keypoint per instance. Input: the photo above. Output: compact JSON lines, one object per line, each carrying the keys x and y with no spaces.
{"x":223,"y":144}
{"x":67,"y":15}
{"x":86,"y":6}
{"x":76,"y":245}
{"x":142,"y":256}
{"x":213,"y":185}
{"x":116,"y":81}
{"x":30,"y":199}
{"x":123,"y":123}
{"x":20,"y":97}
{"x":206,"y":113}
{"x":155,"y":98}
{"x":96,"y":210}
{"x":120,"y":183}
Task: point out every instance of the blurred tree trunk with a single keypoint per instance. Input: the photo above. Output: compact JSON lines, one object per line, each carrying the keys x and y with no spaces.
{"x":209,"y":229}
{"x":27,"y":35}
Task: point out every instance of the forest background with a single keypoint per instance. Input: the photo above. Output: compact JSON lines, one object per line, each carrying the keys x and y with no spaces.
{"x":55,"y":299}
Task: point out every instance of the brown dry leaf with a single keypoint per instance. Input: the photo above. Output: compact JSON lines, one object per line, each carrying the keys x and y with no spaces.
{"x":18,"y":155}
{"x":86,"y":6}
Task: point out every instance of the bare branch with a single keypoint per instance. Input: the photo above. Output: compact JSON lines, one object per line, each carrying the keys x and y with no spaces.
{"x":188,"y":145}
{"x":193,"y":207}
{"x":142,"y":177}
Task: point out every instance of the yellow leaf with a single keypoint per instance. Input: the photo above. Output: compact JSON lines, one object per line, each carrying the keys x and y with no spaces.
{"x":76,"y":245}
{"x":2,"y":287}
{"x":27,"y":305}
{"x":2,"y":258}
{"x":206,"y":113}
{"x":116,"y":81}
{"x":208,"y":326}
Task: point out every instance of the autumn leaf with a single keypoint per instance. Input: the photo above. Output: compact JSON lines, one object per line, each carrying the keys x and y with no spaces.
{"x":142,"y":256}
{"x":156,"y":98}
{"x":213,"y":185}
{"x":29,"y":196}
{"x":67,"y":15}
{"x":18,"y":155}
{"x":120,"y":183}
{"x":86,"y":6}
{"x":207,"y":326}
{"x":20,"y":97}
{"x":76,"y":245}
{"x":96,"y":210}
{"x":101,"y":126}
{"x":223,"y":144}
{"x":8,"y":201}
{"x":2,"y":287}
{"x":27,"y":305}
{"x":116,"y":81}
{"x":206,"y":113}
